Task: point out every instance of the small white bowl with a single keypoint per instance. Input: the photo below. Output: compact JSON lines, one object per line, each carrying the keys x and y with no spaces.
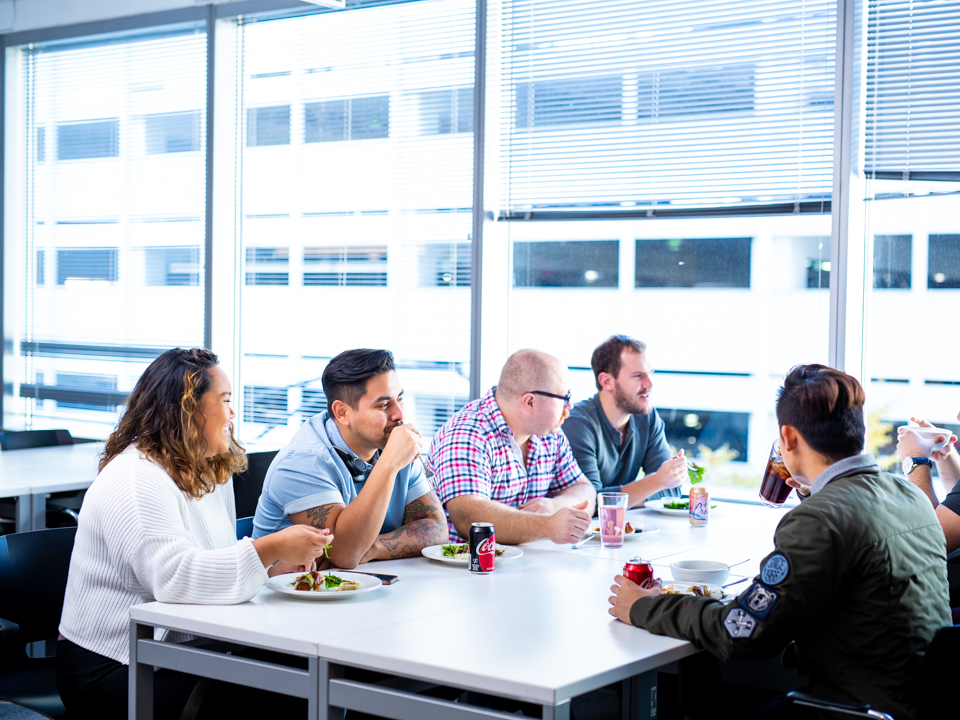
{"x":700,"y":571}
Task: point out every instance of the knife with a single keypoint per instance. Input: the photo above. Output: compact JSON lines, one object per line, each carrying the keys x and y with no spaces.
{"x":385,"y":579}
{"x":584,"y":539}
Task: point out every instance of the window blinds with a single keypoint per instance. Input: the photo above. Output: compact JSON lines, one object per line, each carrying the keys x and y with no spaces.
{"x":104,"y":227}
{"x":646,"y":105}
{"x":912,"y":98}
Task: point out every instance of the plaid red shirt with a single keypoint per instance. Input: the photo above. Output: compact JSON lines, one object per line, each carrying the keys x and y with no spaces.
{"x":473,"y":454}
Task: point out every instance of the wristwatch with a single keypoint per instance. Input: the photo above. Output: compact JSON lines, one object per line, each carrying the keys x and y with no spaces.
{"x":909,"y":463}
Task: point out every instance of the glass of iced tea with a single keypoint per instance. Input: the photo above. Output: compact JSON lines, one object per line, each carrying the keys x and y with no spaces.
{"x":774,"y":489}
{"x":612,"y":509}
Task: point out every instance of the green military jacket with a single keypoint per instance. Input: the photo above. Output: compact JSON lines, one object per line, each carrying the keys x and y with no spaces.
{"x":857,"y":579}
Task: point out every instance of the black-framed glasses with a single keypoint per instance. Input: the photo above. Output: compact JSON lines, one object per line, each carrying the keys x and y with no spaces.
{"x":566,"y":398}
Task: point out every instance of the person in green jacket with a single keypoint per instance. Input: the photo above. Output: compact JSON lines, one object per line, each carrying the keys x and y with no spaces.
{"x":857,"y":578}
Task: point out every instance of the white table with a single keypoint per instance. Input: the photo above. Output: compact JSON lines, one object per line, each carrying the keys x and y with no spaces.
{"x":29,"y":475}
{"x":536,"y":630}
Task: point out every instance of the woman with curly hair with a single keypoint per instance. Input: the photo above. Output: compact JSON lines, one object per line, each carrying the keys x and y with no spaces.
{"x":159,"y":523}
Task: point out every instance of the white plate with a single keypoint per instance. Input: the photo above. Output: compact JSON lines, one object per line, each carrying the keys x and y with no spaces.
{"x":435,"y":552}
{"x":657,"y":506}
{"x":630,"y":537}
{"x":282,"y":584}
{"x":682,"y":587}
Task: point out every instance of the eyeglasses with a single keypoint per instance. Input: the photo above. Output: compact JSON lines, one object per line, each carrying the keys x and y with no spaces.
{"x":566,"y":398}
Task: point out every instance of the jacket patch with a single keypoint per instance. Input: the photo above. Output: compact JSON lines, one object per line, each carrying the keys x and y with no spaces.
{"x":759,"y":600}
{"x":739,"y":623}
{"x":775,"y":570}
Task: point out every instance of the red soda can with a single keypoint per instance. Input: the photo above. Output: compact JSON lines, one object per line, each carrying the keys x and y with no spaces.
{"x":640,"y":571}
{"x":483,"y":547}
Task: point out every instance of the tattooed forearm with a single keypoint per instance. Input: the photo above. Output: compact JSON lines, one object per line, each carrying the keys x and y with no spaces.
{"x":420,"y":510}
{"x":407,"y":540}
{"x":317,"y":517}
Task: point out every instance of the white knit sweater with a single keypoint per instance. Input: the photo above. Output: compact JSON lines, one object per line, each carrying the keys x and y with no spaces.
{"x":140,"y":539}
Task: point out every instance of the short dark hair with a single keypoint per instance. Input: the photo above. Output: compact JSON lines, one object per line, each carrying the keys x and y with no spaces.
{"x":345,"y":376}
{"x":825,"y":405}
{"x":606,"y":358}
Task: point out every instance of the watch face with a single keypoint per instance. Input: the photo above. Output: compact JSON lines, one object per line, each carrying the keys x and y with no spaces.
{"x":907,"y":465}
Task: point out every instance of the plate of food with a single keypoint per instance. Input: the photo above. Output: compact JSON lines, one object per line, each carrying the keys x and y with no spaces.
{"x":715,"y":592}
{"x":631,"y":531}
{"x":334,"y":585}
{"x":459,"y":553}
{"x":673,"y":506}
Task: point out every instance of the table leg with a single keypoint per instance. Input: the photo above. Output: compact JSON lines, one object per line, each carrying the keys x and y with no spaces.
{"x":38,"y":511}
{"x":24,"y":513}
{"x":140,"y":679}
{"x":557,"y":712}
{"x":324,"y":672}
{"x":638,"y":697}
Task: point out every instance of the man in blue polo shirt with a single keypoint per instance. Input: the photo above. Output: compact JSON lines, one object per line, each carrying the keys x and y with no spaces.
{"x":617,"y":433}
{"x":356,"y":469}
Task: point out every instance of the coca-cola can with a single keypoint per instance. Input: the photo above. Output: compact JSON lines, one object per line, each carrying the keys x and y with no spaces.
{"x":483,"y":547}
{"x":640,"y":571}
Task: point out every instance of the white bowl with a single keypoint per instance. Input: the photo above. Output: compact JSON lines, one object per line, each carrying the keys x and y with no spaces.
{"x":700,"y":571}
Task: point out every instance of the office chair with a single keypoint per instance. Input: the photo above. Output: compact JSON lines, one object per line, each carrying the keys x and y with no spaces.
{"x":939,"y":686}
{"x":248,"y":484}
{"x":244,"y":527}
{"x":33,"y":580}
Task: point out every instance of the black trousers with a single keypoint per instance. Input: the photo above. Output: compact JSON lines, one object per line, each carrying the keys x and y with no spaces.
{"x":95,"y":687}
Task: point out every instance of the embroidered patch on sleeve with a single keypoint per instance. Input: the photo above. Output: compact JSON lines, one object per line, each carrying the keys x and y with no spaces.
{"x":759,"y":600}
{"x":739,"y":623}
{"x":775,"y":570}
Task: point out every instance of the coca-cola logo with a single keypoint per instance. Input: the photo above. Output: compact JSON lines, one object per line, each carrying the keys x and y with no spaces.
{"x":487,"y":546}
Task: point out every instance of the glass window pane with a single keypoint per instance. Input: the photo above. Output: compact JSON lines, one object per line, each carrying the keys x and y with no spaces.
{"x":268,"y":126}
{"x":892,"y":256}
{"x":699,"y":262}
{"x":943,"y":260}
{"x":566,"y":264}
{"x":172,"y":132}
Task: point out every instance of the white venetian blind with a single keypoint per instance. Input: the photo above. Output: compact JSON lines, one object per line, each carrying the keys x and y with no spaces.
{"x":913,"y":89}
{"x":104,"y":209}
{"x":644,"y":104}
{"x":357,"y":192}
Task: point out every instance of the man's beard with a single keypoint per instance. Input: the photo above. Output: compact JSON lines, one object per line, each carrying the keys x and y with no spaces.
{"x":627,"y":403}
{"x":381,"y":440}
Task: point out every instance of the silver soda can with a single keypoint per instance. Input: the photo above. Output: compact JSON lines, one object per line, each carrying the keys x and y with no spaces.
{"x":483,"y":544}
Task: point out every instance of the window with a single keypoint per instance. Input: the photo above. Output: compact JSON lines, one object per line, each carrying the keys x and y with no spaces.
{"x":266,"y":405}
{"x":944,"y":262}
{"x":78,"y":141}
{"x":700,"y":262}
{"x":90,"y":220}
{"x":312,"y":402}
{"x":446,"y":265}
{"x":345,"y":266}
{"x":268,"y":266}
{"x":568,"y":101}
{"x":592,"y":263}
{"x":173,"y":266}
{"x":435,"y":410}
{"x":891,"y":261}
{"x":268,"y":126}
{"x":691,"y":429}
{"x":172,"y":132}
{"x":698,"y":91}
{"x":86,"y":264}
{"x":349,"y":119}
{"x":446,"y":111}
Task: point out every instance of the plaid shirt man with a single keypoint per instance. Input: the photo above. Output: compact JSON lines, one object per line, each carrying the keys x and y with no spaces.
{"x":475,"y":453}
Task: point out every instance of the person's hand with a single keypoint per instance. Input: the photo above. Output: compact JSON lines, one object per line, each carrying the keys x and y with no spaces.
{"x":911,"y":444}
{"x":626,"y":593}
{"x":801,"y":488}
{"x":404,"y":445}
{"x":672,"y":473}
{"x":282,"y":567}
{"x":944,"y":452}
{"x":301,"y":544}
{"x":541,"y":506}
{"x":569,"y":524}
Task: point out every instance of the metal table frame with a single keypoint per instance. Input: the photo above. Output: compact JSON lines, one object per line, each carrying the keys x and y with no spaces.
{"x":328,"y":692}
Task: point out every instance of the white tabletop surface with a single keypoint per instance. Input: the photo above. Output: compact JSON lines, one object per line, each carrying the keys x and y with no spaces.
{"x":48,"y":469}
{"x":536,"y":629}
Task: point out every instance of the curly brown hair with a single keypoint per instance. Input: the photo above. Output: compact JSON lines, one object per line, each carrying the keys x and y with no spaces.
{"x":160,"y":418}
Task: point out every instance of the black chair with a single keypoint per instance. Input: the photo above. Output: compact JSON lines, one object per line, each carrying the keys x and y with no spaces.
{"x":939,"y":686}
{"x":63,"y":512}
{"x":33,"y":579}
{"x":248,"y":484}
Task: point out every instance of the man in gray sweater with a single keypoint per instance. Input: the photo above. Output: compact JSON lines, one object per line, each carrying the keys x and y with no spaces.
{"x":617,"y":433}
